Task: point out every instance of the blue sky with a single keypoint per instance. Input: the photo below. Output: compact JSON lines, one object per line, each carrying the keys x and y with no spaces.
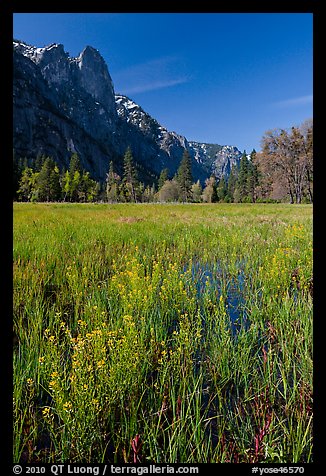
{"x":213,"y":77}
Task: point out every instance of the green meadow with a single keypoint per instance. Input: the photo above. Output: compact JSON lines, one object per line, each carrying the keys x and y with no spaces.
{"x":176,"y":333}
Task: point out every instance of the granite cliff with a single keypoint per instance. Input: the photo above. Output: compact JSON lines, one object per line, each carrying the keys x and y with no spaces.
{"x":64,"y":105}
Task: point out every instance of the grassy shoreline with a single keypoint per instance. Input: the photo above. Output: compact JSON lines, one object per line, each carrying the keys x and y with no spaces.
{"x":163,"y":333}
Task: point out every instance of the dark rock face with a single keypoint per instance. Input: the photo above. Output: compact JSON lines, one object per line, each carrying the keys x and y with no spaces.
{"x":55,"y":108}
{"x":64,"y":105}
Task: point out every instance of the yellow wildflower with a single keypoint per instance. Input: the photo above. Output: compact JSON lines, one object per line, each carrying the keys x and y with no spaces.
{"x":67,"y":407}
{"x":75,"y":363}
{"x":96,"y":403}
{"x":53,"y":384}
{"x":100,"y":363}
{"x":82,"y":323}
{"x":47,"y":413}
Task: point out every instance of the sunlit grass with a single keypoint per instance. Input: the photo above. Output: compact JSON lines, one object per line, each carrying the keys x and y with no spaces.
{"x":187,"y":325}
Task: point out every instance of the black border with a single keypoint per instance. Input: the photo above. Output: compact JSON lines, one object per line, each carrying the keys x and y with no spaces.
{"x":6,"y":32}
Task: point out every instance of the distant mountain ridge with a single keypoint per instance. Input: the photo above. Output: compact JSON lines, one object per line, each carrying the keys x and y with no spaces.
{"x":64,"y":105}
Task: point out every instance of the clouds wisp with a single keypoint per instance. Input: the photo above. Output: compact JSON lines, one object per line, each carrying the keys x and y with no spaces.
{"x":155,"y":74}
{"x":151,"y":86}
{"x":293,"y":102}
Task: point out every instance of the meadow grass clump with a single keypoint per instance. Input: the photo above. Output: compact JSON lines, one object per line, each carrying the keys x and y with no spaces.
{"x":162,"y":333}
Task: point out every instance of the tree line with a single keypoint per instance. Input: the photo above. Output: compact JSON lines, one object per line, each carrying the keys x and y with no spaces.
{"x":283,"y":170}
{"x":41,"y":180}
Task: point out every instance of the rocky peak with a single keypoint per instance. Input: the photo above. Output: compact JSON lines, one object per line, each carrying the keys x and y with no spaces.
{"x":37,"y":54}
{"x":88,"y":71}
{"x":52,"y":60}
{"x":90,"y":56}
{"x":50,"y":54}
{"x":94,"y":77}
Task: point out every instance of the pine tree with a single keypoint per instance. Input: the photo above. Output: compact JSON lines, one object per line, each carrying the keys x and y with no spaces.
{"x":164,"y":176}
{"x":221,"y":190}
{"x":48,"y":182}
{"x":112,"y":184}
{"x":65,"y":185}
{"x":110,"y":176}
{"x":140,"y":191}
{"x":252,"y":177}
{"x":74,"y":164}
{"x":27,"y":188}
{"x":242,"y":182}
{"x":55,"y":184}
{"x":76,"y":180}
{"x":75,"y":174}
{"x":130,"y":178}
{"x":231,"y":185}
{"x":184,"y":176}
{"x":37,"y":164}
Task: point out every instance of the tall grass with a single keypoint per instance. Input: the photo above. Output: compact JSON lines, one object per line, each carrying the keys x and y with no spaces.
{"x":162,"y":333}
